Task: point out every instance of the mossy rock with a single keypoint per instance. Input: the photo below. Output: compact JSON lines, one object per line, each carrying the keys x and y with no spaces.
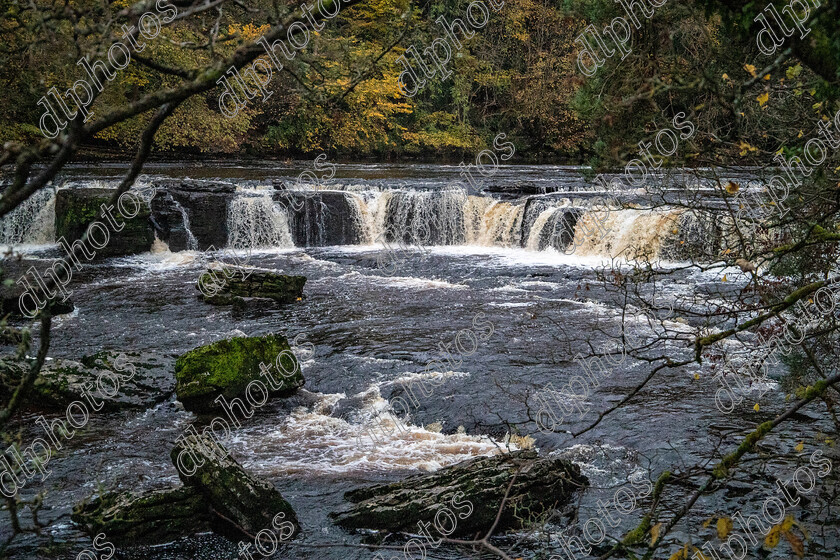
{"x":75,"y":209}
{"x":246,"y":504}
{"x":473,"y":490}
{"x":153,"y":518}
{"x":227,"y":367}
{"x":234,"y":285}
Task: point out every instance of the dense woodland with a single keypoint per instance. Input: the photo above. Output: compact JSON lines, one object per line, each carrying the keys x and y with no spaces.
{"x":517,"y":75}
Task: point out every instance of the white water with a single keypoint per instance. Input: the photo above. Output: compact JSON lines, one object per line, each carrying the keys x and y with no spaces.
{"x":192,"y":242}
{"x":419,"y":217}
{"x":31,"y":223}
{"x":256,"y":221}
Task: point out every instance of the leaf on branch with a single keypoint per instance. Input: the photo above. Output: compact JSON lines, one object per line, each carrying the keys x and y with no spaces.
{"x":654,"y":533}
{"x":750,"y":68}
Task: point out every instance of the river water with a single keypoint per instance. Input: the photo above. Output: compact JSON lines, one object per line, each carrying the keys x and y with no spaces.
{"x":371,"y":331}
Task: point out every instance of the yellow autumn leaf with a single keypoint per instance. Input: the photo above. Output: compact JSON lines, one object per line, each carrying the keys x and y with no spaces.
{"x":756,"y":407}
{"x":708,"y":522}
{"x":696,"y":376}
{"x":750,"y":68}
{"x":724,"y":278}
{"x":725,"y":77}
{"x":732,"y":187}
{"x":800,"y":447}
{"x":767,"y":78}
{"x":681,"y":554}
{"x":762,"y":99}
{"x":772,"y":538}
{"x":724,"y":525}
{"x":654,"y":533}
{"x":787,"y":523}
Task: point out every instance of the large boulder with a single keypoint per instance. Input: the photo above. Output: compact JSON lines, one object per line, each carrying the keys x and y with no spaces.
{"x":137,"y":380}
{"x":243,"y":503}
{"x":217,"y":495}
{"x":226,"y":285}
{"x":153,"y":518}
{"x":541,"y":485}
{"x":227,"y":367}
{"x":76,"y":208}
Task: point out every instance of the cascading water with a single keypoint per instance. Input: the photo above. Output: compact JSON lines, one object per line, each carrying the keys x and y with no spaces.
{"x":256,"y":221}
{"x":33,"y":222}
{"x":192,"y":242}
{"x":427,"y":217}
{"x":500,"y":224}
{"x":629,"y":233}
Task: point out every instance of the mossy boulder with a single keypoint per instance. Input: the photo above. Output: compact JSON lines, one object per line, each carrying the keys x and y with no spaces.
{"x":227,"y":367}
{"x":217,"y":495}
{"x":75,"y":209}
{"x":153,"y":518}
{"x":473,"y":490}
{"x":244,"y":502}
{"x":234,"y":285}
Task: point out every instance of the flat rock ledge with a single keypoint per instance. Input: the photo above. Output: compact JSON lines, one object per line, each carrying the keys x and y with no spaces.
{"x":217,"y":495}
{"x":235,"y":285}
{"x":471,"y":489}
{"x":120,"y":380}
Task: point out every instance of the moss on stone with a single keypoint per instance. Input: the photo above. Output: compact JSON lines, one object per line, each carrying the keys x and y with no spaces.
{"x":227,"y":367}
{"x":152,"y":518}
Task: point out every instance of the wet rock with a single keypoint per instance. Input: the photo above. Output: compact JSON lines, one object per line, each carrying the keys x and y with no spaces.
{"x":75,"y":209}
{"x":319,"y":218}
{"x":242,"y":503}
{"x":205,"y":205}
{"x":231,"y":285}
{"x":153,"y":518}
{"x":15,"y":269}
{"x":134,"y":381}
{"x":227,"y":367}
{"x":541,"y":485}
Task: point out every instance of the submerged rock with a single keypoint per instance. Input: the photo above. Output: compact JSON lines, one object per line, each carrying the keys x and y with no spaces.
{"x":116,"y":380}
{"x":243,"y":503}
{"x":152,"y":518}
{"x":234,"y":285}
{"x":473,"y":490}
{"x":227,"y":367}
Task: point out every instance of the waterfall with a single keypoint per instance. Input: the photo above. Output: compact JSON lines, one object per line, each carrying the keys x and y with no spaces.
{"x":535,"y":235}
{"x":629,"y":233}
{"x":426,"y":217}
{"x":500,"y":224}
{"x":363,"y":218}
{"x":192,"y":242}
{"x":255,"y":221}
{"x":32,"y":222}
